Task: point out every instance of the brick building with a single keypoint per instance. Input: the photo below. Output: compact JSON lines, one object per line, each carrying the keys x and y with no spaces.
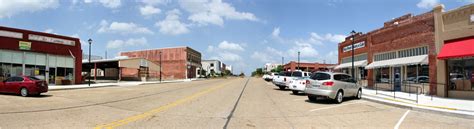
{"x":52,"y":57}
{"x":310,"y":67}
{"x":176,"y":62}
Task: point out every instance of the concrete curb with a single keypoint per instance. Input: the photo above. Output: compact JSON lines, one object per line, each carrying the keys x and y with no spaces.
{"x":446,"y":112}
{"x":81,"y":88}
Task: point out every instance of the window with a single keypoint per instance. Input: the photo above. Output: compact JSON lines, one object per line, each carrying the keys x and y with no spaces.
{"x":321,"y":76}
{"x":338,"y":77}
{"x":461,"y":74}
{"x":296,"y":74}
{"x":17,"y":79}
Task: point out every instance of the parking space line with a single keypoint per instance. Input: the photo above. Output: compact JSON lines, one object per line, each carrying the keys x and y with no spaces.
{"x":401,"y":120}
{"x":329,"y":107}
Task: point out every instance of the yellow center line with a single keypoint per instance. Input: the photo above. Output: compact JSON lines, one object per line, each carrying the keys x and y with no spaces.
{"x":159,"y":109}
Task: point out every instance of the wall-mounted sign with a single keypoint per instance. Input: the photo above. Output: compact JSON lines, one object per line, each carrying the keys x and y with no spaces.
{"x":11,"y":34}
{"x":356,"y":46}
{"x":24,"y":45}
{"x":51,"y":40}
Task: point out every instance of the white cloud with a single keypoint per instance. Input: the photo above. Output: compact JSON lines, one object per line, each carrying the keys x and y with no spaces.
{"x":148,"y":10}
{"x":113,"y":4}
{"x":122,"y":28}
{"x":226,"y":51}
{"x":262,"y":57}
{"x":224,"y":45}
{"x":154,"y":2}
{"x":314,"y":38}
{"x":48,"y":31}
{"x":171,"y":25}
{"x":9,"y":8}
{"x":205,"y":12}
{"x":116,"y":44}
{"x":305,"y":49}
{"x":427,"y":4}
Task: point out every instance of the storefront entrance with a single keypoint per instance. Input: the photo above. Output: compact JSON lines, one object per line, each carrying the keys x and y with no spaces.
{"x":397,"y":80}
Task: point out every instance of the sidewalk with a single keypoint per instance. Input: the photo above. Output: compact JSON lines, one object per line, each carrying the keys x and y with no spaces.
{"x":123,"y":83}
{"x":448,"y":106}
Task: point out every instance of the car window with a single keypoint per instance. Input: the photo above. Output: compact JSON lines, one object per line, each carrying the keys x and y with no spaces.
{"x":347,"y":78}
{"x":321,"y":76}
{"x":18,"y":79}
{"x":10,"y":79}
{"x":338,"y":77}
{"x":296,"y":74}
{"x":34,"y":78}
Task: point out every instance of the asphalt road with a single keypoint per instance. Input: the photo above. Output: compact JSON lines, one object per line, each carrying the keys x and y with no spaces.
{"x":216,"y":103}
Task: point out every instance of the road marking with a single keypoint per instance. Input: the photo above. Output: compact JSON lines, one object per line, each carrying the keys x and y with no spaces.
{"x":157,"y":110}
{"x":401,"y":120}
{"x":329,"y":107}
{"x":298,"y":99}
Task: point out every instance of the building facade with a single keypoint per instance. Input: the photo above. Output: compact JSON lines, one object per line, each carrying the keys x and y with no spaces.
{"x":269,"y":66}
{"x":454,"y":47}
{"x":211,"y":67}
{"x":176,"y":62}
{"x":310,"y":67}
{"x":54,"y":58}
{"x":128,"y":69}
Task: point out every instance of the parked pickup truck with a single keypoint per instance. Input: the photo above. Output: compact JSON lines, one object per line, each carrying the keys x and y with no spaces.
{"x":269,"y":77}
{"x":296,"y":75}
{"x":298,"y":85}
{"x":280,"y":79}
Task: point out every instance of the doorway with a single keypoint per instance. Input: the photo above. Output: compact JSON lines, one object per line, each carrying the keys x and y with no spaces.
{"x":397,"y":81}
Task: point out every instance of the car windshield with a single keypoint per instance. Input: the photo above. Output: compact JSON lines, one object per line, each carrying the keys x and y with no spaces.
{"x":321,"y":76}
{"x":34,"y":78}
{"x":296,"y":74}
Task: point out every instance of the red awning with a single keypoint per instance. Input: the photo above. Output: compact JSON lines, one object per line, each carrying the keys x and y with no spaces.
{"x":457,"y":49}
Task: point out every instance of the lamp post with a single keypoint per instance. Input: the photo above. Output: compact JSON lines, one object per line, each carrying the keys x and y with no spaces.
{"x":160,"y":66}
{"x":90,"y":43}
{"x":353,"y":34}
{"x":298,"y":60}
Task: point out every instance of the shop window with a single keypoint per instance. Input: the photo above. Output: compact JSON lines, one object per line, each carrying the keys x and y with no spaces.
{"x":5,"y":71}
{"x":461,"y":74}
{"x":382,"y":75}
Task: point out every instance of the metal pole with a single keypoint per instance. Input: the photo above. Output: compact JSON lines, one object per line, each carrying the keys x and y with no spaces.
{"x":160,"y":67}
{"x":352,"y":47}
{"x":90,"y":43}
{"x":298,"y":60}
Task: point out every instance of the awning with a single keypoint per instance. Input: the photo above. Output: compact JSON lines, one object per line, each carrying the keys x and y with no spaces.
{"x":361,"y":63}
{"x":413,"y":60}
{"x":458,"y":49}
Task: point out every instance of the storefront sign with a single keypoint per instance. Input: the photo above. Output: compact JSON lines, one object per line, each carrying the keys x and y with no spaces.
{"x":356,"y":46}
{"x":11,"y":34}
{"x":24,"y":45}
{"x":51,"y":40}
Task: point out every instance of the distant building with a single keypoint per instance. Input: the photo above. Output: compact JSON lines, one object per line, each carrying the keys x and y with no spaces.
{"x":211,"y":66}
{"x":176,"y":63}
{"x":269,"y":66}
{"x":310,"y":67}
{"x":229,"y":67}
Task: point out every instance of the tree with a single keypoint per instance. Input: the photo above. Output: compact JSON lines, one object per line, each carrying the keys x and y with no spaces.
{"x":278,"y":69}
{"x":242,"y":74}
{"x":257,"y":72}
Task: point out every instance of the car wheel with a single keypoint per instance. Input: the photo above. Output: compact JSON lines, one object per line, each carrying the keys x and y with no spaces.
{"x":281,"y":87}
{"x":24,"y":92}
{"x":312,"y":98}
{"x":359,"y":94}
{"x":295,"y":92}
{"x":339,"y":97}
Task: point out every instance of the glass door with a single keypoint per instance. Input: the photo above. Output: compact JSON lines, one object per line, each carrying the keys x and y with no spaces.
{"x":52,"y":75}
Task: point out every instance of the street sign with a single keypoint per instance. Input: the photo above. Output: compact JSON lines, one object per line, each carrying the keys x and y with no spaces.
{"x":24,"y":45}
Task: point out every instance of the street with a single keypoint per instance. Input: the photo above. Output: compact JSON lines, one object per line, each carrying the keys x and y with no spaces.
{"x":214,"y":103}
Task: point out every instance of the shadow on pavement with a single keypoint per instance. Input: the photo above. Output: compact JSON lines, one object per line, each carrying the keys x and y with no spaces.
{"x":330,"y":101}
{"x":30,"y":96}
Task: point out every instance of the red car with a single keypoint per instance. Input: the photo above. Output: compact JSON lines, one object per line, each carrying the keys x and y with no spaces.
{"x":24,"y":85}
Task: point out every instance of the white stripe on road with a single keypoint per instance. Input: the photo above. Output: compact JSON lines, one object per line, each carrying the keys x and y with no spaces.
{"x":401,"y":120}
{"x":329,"y":107}
{"x":298,"y":99}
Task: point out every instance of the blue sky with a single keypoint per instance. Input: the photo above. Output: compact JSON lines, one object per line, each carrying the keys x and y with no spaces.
{"x":242,"y":33}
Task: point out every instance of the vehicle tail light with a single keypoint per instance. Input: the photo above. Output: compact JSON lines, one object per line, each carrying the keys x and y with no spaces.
{"x":308,"y":83}
{"x":328,"y":83}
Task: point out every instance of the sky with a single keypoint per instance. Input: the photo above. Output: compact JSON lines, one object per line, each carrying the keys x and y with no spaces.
{"x":243,"y":33}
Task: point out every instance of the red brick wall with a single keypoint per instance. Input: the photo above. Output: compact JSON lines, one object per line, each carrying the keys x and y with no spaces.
{"x":312,"y":66}
{"x":411,"y":32}
{"x":173,"y":62}
{"x":44,"y":47}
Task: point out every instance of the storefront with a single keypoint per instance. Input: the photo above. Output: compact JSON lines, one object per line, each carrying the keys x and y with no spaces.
{"x":50,"y":57}
{"x":455,"y":48}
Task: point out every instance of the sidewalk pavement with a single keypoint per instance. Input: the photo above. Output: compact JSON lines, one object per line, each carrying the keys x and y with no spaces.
{"x":123,"y":83}
{"x":448,"y":106}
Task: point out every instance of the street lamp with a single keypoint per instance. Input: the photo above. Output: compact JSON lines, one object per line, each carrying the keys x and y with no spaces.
{"x":298,"y":60}
{"x":90,"y":43}
{"x":160,"y":66}
{"x":353,"y":34}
